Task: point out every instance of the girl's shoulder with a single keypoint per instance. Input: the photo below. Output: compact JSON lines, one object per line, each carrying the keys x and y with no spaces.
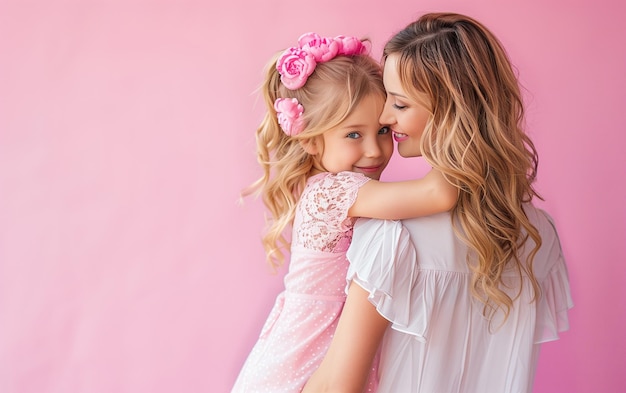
{"x":342,"y":180}
{"x":333,"y":190}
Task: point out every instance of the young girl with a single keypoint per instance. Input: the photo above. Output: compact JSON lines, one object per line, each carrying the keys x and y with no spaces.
{"x":320,"y":145}
{"x":481,"y":287}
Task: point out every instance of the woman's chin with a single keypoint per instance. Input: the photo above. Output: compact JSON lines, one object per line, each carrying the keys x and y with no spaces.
{"x":409,"y":154}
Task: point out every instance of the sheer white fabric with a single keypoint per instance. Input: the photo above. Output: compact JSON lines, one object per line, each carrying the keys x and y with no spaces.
{"x":439,"y":341}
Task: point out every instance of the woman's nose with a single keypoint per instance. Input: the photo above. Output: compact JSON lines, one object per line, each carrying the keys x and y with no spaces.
{"x":386,"y":116}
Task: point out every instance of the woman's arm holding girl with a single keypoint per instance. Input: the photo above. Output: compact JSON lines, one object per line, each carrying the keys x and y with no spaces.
{"x":349,"y":358}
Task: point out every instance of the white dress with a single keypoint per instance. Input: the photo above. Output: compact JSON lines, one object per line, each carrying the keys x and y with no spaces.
{"x":439,"y":341}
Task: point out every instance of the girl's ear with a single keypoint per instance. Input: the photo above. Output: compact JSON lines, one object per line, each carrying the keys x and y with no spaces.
{"x":310,"y":146}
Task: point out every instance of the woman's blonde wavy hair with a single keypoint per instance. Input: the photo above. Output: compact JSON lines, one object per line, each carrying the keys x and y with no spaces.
{"x":330,"y":95}
{"x":476,"y":138}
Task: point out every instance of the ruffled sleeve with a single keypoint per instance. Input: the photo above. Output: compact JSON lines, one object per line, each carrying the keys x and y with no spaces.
{"x":340,"y":193}
{"x":321,"y":222}
{"x":383,"y":262}
{"x":556,"y":298}
{"x":331,"y":196}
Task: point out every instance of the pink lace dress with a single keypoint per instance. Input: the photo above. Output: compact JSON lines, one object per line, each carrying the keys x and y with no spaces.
{"x":299,"y":329}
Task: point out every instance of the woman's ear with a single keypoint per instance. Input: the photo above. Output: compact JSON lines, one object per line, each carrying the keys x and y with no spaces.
{"x":310,"y":146}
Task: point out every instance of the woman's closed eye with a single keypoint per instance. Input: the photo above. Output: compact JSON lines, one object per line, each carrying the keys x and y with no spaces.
{"x":399,"y":107}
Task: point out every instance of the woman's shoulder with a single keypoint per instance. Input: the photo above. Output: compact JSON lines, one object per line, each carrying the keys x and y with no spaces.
{"x":540,"y":218}
{"x":546,"y":226}
{"x":550,"y":254}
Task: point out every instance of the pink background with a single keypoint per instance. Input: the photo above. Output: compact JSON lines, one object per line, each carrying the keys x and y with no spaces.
{"x":126,"y":132}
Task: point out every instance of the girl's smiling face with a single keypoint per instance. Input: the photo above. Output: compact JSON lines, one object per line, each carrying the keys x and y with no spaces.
{"x":406,"y":117}
{"x":360,"y":143}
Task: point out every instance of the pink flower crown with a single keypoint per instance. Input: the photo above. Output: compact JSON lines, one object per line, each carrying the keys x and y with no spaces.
{"x":297,"y":63}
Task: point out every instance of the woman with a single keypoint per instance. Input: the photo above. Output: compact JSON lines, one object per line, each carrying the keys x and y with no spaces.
{"x":469,"y":295}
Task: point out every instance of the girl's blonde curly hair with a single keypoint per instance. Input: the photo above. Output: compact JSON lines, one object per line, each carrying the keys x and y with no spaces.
{"x":330,"y":95}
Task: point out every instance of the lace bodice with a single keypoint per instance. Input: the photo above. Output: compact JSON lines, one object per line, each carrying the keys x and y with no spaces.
{"x":322,"y":221}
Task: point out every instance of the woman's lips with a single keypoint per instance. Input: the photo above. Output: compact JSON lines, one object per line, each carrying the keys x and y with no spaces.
{"x":399,"y":137}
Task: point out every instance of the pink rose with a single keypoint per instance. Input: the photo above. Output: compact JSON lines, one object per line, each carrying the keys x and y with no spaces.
{"x":322,"y":48}
{"x":295,"y":66}
{"x":351,"y":45}
{"x":289,"y":113}
{"x":307,"y":38}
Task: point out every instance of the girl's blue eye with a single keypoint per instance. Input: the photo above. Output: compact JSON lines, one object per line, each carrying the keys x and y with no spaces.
{"x":353,"y":135}
{"x":384,"y":130}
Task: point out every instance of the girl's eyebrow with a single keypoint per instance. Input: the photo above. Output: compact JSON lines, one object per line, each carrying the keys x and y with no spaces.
{"x":353,"y":125}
